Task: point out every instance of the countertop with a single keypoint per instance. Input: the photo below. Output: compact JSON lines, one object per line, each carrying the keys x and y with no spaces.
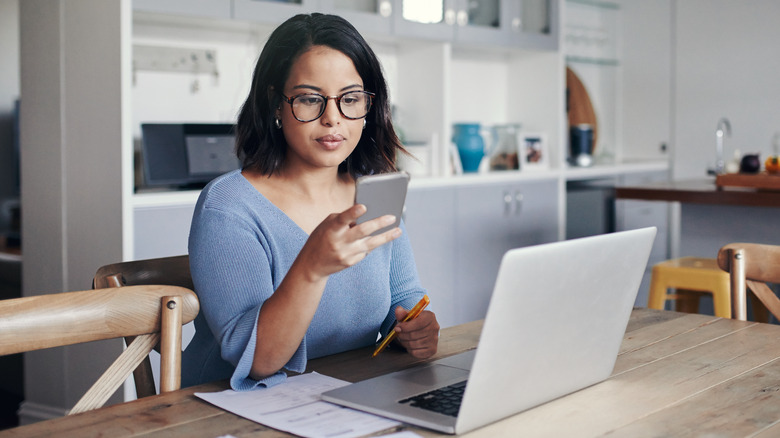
{"x":700,"y":191}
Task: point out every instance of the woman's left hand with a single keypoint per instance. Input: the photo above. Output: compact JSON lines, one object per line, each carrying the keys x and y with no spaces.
{"x":419,"y":336}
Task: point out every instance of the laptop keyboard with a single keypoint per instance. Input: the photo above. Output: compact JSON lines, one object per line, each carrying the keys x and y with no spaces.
{"x":444,"y":400}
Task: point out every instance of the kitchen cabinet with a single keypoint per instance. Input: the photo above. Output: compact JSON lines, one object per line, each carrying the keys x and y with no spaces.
{"x":500,"y":23}
{"x":191,"y":8}
{"x":492,"y":219}
{"x":162,"y":230}
{"x":534,"y":24}
{"x":270,"y":11}
{"x":459,"y":235}
{"x":453,"y":20}
{"x":431,"y":226}
{"x":370,"y":17}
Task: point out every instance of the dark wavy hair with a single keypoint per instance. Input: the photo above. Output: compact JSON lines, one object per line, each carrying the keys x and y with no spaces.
{"x":262,"y":147}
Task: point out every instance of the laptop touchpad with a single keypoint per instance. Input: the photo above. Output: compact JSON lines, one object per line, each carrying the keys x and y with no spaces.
{"x":433,"y":375}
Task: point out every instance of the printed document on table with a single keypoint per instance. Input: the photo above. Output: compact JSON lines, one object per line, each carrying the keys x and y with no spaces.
{"x":295,"y":406}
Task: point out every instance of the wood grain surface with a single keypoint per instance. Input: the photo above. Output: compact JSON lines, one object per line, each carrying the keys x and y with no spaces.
{"x":676,"y":375}
{"x":763,"y":180}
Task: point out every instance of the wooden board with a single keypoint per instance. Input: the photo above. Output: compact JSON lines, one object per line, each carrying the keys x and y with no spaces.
{"x":578,"y":104}
{"x":763,"y":180}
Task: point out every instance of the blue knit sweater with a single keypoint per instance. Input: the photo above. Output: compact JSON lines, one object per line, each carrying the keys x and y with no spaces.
{"x":241,"y":247}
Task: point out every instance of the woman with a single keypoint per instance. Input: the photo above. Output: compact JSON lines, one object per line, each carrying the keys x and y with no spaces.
{"x":282,"y":272}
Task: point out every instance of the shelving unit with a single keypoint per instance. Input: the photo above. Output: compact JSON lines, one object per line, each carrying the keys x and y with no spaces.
{"x":510,"y":69}
{"x":591,"y":46}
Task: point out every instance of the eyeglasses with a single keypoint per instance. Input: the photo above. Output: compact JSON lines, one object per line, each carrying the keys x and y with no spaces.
{"x":310,"y":106}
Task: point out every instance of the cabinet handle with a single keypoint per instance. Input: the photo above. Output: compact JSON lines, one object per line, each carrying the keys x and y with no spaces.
{"x":507,"y":203}
{"x":518,"y":202}
{"x":463,"y":18}
{"x":449,"y":16}
{"x":385,"y":8}
{"x":517,"y":24}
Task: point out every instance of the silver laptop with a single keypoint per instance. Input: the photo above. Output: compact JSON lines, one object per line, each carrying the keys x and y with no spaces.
{"x":554,"y":325}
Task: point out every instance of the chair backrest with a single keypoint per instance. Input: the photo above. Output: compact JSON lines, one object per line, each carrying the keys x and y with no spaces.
{"x":173,"y":271}
{"x":751,"y":266}
{"x":151,"y":313}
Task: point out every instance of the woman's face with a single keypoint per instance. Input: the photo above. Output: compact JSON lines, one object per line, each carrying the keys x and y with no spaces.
{"x":330,"y":139}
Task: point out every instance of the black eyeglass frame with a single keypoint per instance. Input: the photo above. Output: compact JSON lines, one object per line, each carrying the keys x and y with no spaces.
{"x":338,"y":98}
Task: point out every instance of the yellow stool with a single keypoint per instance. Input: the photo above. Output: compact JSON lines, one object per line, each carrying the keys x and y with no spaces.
{"x":691,"y":277}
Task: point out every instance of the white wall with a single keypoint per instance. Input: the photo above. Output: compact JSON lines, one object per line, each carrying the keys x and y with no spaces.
{"x":475,"y":89}
{"x":727,"y":64}
{"x":186,"y":97}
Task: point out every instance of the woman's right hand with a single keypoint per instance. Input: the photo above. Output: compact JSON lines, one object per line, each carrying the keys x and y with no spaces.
{"x":338,"y":243}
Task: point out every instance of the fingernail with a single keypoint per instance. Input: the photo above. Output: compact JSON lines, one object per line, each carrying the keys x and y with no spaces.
{"x":389,"y":219}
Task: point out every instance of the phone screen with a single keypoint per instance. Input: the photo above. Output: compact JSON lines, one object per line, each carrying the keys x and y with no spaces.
{"x":382,"y":194}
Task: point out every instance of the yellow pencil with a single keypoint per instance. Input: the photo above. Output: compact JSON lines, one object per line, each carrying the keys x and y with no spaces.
{"x":416,"y":310}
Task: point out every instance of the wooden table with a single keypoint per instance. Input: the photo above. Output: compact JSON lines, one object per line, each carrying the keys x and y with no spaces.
{"x":711,"y":217}
{"x":700,"y":191}
{"x":677,"y":375}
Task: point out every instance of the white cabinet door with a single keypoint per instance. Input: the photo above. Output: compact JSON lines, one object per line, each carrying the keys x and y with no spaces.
{"x":161,"y":231}
{"x":194,"y":8}
{"x":430,"y":224}
{"x":498,"y":23}
{"x":492,"y":219}
{"x":534,"y":23}
{"x":270,"y":11}
{"x":370,"y":17}
{"x":432,"y":20}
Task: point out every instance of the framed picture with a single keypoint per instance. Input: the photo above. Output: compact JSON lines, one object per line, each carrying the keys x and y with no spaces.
{"x":533,"y":151}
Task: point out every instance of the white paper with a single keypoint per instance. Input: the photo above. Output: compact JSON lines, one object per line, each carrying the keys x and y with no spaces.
{"x":294,"y":406}
{"x":403,"y":434}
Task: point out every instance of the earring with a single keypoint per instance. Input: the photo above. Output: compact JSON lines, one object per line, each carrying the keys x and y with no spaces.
{"x":278,"y":122}
{"x":364,"y":123}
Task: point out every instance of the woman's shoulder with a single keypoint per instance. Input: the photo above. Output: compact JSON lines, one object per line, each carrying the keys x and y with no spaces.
{"x":228,"y":189}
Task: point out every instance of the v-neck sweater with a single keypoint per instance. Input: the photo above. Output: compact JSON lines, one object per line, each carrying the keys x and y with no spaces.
{"x":241,"y":246}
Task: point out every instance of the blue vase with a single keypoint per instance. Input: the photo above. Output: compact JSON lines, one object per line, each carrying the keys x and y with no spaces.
{"x":471,"y":146}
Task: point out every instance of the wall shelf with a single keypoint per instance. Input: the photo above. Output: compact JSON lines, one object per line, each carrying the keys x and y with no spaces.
{"x":595,"y":4}
{"x":608,"y":62}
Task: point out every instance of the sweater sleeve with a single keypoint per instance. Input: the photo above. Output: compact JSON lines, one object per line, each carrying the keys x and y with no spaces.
{"x":231,"y":264}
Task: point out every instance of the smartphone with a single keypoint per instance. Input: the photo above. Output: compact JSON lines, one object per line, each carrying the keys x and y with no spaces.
{"x":382,"y":194}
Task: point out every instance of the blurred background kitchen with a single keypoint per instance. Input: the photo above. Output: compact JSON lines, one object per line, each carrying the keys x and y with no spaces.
{"x":651,"y":79}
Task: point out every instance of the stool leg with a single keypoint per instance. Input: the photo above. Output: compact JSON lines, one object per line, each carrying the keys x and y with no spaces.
{"x":687,"y":301}
{"x":657,"y":293}
{"x":721,"y":304}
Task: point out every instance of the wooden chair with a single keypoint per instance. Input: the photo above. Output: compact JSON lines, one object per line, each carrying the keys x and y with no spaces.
{"x":173,"y":271}
{"x":751,"y":266}
{"x":150,"y":313}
